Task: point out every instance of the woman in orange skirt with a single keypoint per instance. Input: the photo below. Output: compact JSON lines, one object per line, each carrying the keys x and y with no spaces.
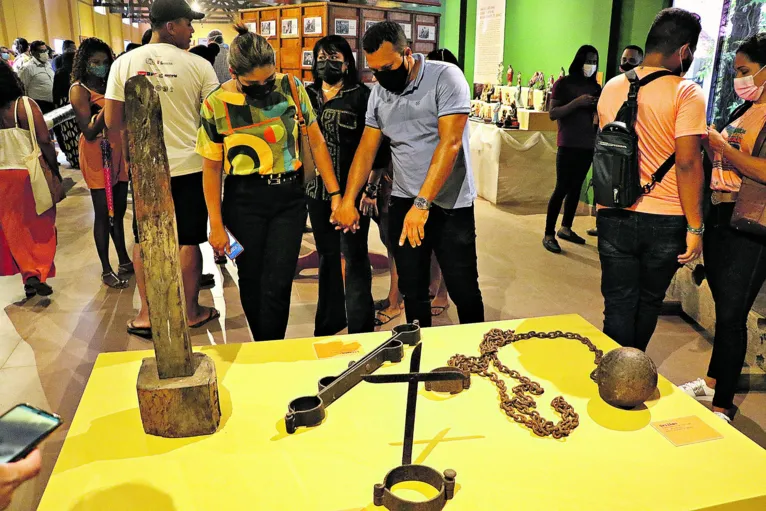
{"x":101,"y":161}
{"x":27,"y":239}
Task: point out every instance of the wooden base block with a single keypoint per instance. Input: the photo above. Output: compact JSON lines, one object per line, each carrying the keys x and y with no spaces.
{"x":179,"y":407}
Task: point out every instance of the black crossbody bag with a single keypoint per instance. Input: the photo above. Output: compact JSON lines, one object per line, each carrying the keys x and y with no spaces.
{"x":616,"y":174}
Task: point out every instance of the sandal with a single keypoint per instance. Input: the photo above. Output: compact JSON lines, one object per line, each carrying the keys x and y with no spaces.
{"x":438,"y":310}
{"x":212,"y":314}
{"x":143,"y":332}
{"x":386,"y":318}
{"x":112,"y":280}
{"x":383,"y":304}
{"x":125,"y":269}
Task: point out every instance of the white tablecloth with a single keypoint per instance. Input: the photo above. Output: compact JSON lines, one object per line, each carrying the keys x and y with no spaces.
{"x":511,"y":166}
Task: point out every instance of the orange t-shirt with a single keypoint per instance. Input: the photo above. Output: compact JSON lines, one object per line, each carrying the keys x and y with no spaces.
{"x":668,"y":108}
{"x":741,"y":134}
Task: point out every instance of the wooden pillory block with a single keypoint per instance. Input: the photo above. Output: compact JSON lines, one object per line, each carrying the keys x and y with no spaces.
{"x":177,"y":390}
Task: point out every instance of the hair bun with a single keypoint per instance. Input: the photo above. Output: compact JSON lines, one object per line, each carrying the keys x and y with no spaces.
{"x":241,"y":29}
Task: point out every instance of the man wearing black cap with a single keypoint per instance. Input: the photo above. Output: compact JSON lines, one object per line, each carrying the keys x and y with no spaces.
{"x":183,"y":80}
{"x":221,"y":65}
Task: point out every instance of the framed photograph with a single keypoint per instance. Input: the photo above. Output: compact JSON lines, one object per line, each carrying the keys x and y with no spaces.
{"x":407,"y":27}
{"x":269,"y":28}
{"x":252,"y":27}
{"x":427,"y":33}
{"x":202,"y":41}
{"x":290,"y":27}
{"x":368,"y":24}
{"x":312,"y":26}
{"x":345,"y":27}
{"x":308,"y":59}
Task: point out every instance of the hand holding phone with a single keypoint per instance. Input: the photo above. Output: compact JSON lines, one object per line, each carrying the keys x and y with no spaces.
{"x":22,"y":428}
{"x":235,"y":248}
{"x":13,"y":475}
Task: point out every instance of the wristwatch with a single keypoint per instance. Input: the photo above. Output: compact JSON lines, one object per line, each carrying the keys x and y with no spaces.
{"x":422,"y":204}
{"x":371,"y":190}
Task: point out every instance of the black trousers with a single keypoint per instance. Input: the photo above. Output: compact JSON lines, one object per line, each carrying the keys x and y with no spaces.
{"x":336,"y":304}
{"x":639,"y":256}
{"x":268,"y":221}
{"x":572,"y":165}
{"x":451,"y":235}
{"x":735,"y":265}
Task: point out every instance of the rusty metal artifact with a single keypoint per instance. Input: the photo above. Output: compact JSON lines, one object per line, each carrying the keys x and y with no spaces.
{"x":626,"y":377}
{"x":522,"y":407}
{"x":310,"y":411}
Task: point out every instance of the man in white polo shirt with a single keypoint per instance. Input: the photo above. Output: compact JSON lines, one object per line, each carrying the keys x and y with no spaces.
{"x":182,"y":80}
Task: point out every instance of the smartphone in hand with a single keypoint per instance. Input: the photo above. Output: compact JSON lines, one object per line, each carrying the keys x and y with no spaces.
{"x":22,"y":428}
{"x":235,"y":248}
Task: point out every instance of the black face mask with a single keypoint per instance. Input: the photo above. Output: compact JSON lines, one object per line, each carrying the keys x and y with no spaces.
{"x":394,"y":80}
{"x":330,"y":71}
{"x":627,"y":67}
{"x":686,"y":64}
{"x":258,"y":91}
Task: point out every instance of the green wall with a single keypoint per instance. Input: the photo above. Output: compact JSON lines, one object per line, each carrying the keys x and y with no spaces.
{"x":637,"y":17}
{"x":539,"y":37}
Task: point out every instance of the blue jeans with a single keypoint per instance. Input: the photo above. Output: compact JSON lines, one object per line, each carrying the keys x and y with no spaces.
{"x":639,"y":256}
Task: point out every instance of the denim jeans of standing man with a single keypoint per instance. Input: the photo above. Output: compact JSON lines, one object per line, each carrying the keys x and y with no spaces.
{"x":639,"y":257}
{"x":451,"y":235}
{"x":338,"y":303}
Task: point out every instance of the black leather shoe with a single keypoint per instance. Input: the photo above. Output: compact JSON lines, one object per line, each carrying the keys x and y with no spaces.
{"x":551,"y":245}
{"x":592,"y":232}
{"x":572,"y":237}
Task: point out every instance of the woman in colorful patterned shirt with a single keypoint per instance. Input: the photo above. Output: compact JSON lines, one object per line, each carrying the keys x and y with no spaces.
{"x":735,"y":262}
{"x":249,"y":131}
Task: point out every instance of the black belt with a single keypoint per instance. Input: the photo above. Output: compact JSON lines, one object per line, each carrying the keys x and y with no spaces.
{"x":270,"y":179}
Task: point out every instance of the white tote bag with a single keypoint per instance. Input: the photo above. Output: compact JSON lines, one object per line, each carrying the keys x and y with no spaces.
{"x":40,"y":188}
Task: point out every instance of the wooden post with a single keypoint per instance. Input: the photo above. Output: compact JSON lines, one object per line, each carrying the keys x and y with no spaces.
{"x":177,"y":390}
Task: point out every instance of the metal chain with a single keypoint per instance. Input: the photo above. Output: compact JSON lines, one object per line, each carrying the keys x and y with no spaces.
{"x":522,"y":407}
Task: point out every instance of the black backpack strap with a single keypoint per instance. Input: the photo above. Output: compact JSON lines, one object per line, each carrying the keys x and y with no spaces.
{"x":646,"y":80}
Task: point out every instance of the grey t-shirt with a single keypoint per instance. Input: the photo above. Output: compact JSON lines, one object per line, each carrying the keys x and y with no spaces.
{"x":411,"y":121}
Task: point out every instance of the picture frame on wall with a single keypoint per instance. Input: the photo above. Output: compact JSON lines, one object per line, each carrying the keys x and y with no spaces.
{"x":269,"y":28}
{"x":252,"y":27}
{"x":427,"y":33}
{"x":407,"y":27}
{"x":290,"y":27}
{"x":307,"y":62}
{"x":345,"y":27}
{"x":312,"y":26}
{"x":202,"y":41}
{"x":368,"y":24}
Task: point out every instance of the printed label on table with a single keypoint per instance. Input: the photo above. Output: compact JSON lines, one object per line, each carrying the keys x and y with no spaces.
{"x":335,"y":348}
{"x":686,"y":431}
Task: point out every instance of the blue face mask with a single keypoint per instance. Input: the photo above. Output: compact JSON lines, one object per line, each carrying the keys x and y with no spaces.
{"x":6,"y":56}
{"x":99,"y":71}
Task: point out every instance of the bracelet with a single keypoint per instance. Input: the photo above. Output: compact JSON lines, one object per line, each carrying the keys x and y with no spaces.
{"x":333,"y":194}
{"x":696,"y":232}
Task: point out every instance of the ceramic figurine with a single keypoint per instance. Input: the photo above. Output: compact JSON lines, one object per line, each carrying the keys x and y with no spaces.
{"x":562,"y":74}
{"x":496,"y":113}
{"x":509,"y":75}
{"x":500,"y":73}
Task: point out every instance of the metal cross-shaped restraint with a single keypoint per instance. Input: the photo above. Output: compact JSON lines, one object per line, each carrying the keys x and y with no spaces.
{"x":445,"y":484}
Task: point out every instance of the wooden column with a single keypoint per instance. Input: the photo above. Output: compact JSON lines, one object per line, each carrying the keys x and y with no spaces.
{"x":177,"y":390}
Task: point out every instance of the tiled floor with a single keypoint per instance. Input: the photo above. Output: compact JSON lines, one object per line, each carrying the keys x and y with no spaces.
{"x":48,"y":346}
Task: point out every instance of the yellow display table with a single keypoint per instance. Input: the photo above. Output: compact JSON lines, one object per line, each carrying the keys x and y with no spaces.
{"x":615,"y":460}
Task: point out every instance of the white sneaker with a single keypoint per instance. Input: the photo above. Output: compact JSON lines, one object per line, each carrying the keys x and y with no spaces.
{"x":697,"y":388}
{"x":723,"y":416}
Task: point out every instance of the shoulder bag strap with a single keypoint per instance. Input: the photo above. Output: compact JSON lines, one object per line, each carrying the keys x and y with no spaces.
{"x":738,"y":112}
{"x":297,"y":101}
{"x":760,"y":144}
{"x":662,"y":171}
{"x":31,"y":122}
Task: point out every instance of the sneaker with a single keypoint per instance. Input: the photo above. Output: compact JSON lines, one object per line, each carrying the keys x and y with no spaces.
{"x":697,"y":388}
{"x":723,"y":416}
